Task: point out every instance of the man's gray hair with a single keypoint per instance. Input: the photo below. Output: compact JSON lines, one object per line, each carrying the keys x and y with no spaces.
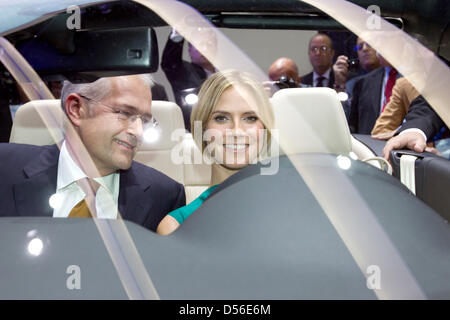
{"x":96,"y":90}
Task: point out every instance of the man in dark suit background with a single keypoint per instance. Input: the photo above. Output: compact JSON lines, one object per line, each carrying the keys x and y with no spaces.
{"x":187,"y":77}
{"x":370,"y":94}
{"x":368,"y":61}
{"x":325,"y":74}
{"x":94,"y":173}
{"x":159,"y":92}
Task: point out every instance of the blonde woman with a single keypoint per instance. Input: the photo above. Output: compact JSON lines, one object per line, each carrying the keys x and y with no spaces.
{"x":235,"y":118}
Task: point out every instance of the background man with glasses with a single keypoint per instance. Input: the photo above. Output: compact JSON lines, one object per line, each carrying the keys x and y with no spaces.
{"x":93,"y":173}
{"x":371,"y":93}
{"x":324,"y":73}
{"x":368,"y":61}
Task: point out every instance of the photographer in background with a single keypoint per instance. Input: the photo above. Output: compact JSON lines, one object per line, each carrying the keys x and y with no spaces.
{"x":284,"y":73}
{"x":186,"y":77}
{"x":367,"y":61}
{"x":371,"y":94}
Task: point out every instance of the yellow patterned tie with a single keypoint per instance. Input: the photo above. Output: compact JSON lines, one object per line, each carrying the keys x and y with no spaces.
{"x":81,"y":209}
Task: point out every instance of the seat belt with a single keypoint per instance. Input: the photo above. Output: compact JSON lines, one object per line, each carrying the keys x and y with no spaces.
{"x":407,"y":172}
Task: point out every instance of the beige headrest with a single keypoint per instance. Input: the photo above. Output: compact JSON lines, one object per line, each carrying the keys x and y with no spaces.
{"x":170,"y":119}
{"x":29,"y":127}
{"x":311,"y":120}
{"x":196,"y":171}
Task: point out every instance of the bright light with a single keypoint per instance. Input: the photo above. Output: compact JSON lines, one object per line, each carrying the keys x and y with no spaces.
{"x":191,"y":99}
{"x":344,"y":162}
{"x":151,"y":135}
{"x":35,"y":246}
{"x":55,"y":201}
{"x":342,"y":96}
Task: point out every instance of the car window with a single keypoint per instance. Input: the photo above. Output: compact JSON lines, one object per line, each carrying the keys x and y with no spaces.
{"x":339,"y":187}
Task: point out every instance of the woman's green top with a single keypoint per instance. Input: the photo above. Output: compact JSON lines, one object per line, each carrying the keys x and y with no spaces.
{"x":182,"y":213}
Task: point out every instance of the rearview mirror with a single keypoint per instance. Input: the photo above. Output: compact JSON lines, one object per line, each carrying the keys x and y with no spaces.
{"x":97,"y":53}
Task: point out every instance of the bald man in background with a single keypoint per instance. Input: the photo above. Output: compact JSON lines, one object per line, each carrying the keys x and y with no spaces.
{"x":284,"y":67}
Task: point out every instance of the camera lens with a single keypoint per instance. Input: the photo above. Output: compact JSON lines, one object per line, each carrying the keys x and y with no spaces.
{"x":353,"y":64}
{"x":285,"y":82}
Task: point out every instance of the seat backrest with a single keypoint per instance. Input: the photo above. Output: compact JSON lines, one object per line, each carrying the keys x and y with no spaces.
{"x":174,"y":152}
{"x":171,"y":131}
{"x":197,"y":173}
{"x":30,"y":127}
{"x":311,"y":120}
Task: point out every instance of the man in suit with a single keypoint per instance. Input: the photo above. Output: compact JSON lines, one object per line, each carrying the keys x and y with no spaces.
{"x":325,"y":74}
{"x":422,"y":123}
{"x":370,"y":95}
{"x":368,"y":61}
{"x":159,"y":92}
{"x":184,"y":75}
{"x":93,"y":174}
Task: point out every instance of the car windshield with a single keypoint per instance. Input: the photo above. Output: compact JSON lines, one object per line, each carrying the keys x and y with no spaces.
{"x":314,"y":186}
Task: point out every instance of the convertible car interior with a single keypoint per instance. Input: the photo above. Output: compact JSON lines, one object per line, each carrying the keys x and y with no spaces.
{"x":310,"y":231}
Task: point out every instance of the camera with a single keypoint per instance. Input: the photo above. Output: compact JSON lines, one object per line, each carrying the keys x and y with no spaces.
{"x":353,"y":64}
{"x":285,"y":82}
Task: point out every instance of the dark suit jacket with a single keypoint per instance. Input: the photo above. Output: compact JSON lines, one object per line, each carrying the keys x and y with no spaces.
{"x":421,"y":116}
{"x":28,"y":179}
{"x":307,"y":80}
{"x":349,"y":85}
{"x":365,"y":104}
{"x":159,"y":93}
{"x":181,"y":74}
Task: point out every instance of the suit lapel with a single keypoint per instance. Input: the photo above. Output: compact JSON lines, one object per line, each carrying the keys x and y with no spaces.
{"x":307,"y":79}
{"x":32,"y":195}
{"x":331,"y":82}
{"x":134,"y":202}
{"x":199,"y":74}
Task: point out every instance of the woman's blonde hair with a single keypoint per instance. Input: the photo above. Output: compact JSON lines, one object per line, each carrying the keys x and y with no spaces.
{"x":213,"y":88}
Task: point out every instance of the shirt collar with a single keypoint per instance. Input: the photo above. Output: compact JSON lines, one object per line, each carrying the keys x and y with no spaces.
{"x":387,"y":70}
{"x":69,"y":172}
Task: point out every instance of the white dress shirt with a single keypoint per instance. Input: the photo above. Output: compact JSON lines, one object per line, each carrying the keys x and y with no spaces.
{"x":326,"y":75}
{"x":415,"y":130}
{"x":69,"y":193}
